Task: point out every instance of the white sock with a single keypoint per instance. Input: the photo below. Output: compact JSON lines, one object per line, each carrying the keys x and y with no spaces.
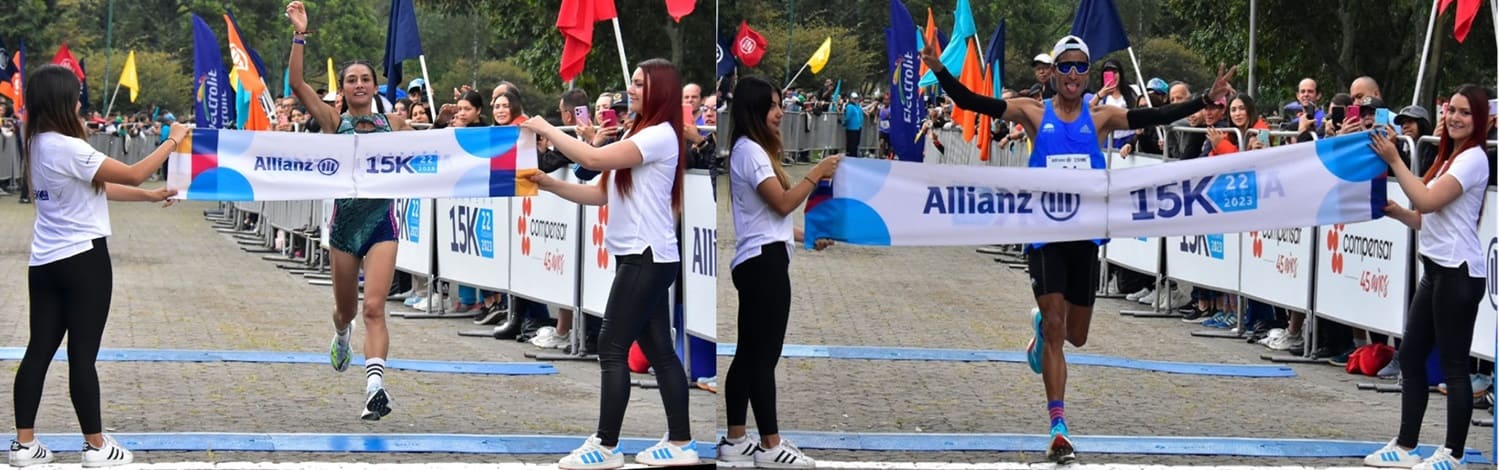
{"x":737,"y":441}
{"x":29,"y":445}
{"x":343,"y":335}
{"x":374,"y":373}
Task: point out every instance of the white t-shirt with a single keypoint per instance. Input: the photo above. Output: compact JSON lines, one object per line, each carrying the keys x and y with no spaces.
{"x":69,"y":213}
{"x":755,"y":222}
{"x":645,"y":218}
{"x":1450,"y":236}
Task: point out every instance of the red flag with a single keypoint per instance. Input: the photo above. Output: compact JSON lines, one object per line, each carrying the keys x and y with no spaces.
{"x":680,"y":8}
{"x":65,"y":58}
{"x":1467,"y":9}
{"x":575,"y":20}
{"x":749,"y":45}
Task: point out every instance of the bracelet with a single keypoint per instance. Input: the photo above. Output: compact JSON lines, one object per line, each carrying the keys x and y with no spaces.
{"x":810,"y":180}
{"x":175,"y":143}
{"x":299,"y":41}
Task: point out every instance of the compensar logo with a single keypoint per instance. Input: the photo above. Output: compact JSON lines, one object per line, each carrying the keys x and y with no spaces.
{"x":521,"y":224}
{"x":1337,"y":259}
{"x":597,"y":238}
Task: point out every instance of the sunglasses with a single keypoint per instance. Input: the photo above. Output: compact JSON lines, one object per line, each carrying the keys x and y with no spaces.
{"x":1074,"y":68}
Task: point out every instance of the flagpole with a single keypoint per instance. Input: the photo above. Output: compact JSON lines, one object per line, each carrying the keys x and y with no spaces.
{"x":620,"y":44}
{"x":112,"y":101}
{"x":794,"y":78}
{"x":427,"y":81}
{"x":1426,"y":48}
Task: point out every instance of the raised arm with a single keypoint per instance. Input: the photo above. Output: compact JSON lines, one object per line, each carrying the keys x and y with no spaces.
{"x":328,"y":118}
{"x":616,"y":156}
{"x":1024,"y":110}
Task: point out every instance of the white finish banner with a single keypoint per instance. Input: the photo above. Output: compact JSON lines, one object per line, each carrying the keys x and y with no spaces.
{"x":877,"y":202}
{"x":1141,"y":254}
{"x":473,"y":238}
{"x":232,"y":165}
{"x":544,"y":247}
{"x":700,"y":255}
{"x":1485,"y":325}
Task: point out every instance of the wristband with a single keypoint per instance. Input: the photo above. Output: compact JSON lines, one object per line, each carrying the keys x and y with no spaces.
{"x":299,"y":41}
{"x":175,"y":143}
{"x":810,"y":180}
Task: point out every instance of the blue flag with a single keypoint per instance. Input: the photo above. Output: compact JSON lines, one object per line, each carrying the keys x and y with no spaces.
{"x":401,"y":42}
{"x":837,"y":91}
{"x":213,"y":98}
{"x":83,"y":94}
{"x":994,"y":57}
{"x":953,"y":57}
{"x":907,"y":110}
{"x":725,"y":59}
{"x":286,"y":82}
{"x":1098,"y":23}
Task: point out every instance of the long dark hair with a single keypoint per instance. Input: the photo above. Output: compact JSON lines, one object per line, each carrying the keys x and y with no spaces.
{"x":753,"y":99}
{"x":51,"y":98}
{"x":516,"y":108}
{"x":477,"y":101}
{"x":1479,"y":112}
{"x":661,"y":101}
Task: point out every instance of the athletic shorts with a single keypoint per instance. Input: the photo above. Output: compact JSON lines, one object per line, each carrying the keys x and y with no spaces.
{"x":358,"y":224}
{"x":1067,"y":268}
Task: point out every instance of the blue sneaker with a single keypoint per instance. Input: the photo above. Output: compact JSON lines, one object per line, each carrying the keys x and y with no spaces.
{"x":1034,"y":350}
{"x":1060,"y":448}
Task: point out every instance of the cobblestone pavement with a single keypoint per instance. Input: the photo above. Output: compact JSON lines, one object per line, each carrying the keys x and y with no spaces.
{"x":953,"y":297}
{"x":181,"y":285}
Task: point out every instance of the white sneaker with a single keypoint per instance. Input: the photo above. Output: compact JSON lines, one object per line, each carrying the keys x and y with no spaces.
{"x":785,"y":455}
{"x":108,"y":456}
{"x":415,"y":300}
{"x":1442,"y":459}
{"x":1179,"y":298}
{"x":431,"y":305}
{"x":1136,"y":296}
{"x":541,"y":333}
{"x":1148,"y":299}
{"x":737,"y":455}
{"x":550,"y":340}
{"x":377,"y":405}
{"x":591,"y":456}
{"x":1393,"y":456}
{"x":666,"y":454}
{"x":35,"y":454}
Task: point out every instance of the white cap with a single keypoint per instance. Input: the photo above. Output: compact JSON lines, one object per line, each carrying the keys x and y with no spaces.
{"x":1041,"y":58}
{"x":1070,"y":43}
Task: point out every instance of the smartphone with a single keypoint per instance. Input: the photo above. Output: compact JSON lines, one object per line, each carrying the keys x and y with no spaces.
{"x":1338,"y":115}
{"x":1264,"y":137}
{"x":1494,"y":107}
{"x":582,"y":117}
{"x":1110,"y":79}
{"x":1351,"y":112}
{"x":687,"y":114}
{"x":1382,"y":117}
{"x":608,"y":118}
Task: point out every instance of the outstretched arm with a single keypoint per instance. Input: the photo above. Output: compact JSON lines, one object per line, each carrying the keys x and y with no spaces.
{"x":327,"y":117}
{"x":1116,"y":118}
{"x":1010,"y":110}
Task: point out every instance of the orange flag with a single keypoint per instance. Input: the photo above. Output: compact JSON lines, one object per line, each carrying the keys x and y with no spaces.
{"x":985,"y":133}
{"x":972,"y":77}
{"x":259,"y":119}
{"x":929,"y":36}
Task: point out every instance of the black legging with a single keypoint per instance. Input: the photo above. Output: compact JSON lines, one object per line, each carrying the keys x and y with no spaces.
{"x":1442,"y":315}
{"x":637,"y":311}
{"x":71,"y":297}
{"x":765,"y":292}
{"x":851,"y":143}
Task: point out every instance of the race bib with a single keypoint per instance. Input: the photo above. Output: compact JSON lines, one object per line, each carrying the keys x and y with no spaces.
{"x":1073,"y":161}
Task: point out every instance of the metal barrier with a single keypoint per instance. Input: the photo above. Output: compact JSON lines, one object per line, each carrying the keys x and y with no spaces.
{"x":956,"y":151}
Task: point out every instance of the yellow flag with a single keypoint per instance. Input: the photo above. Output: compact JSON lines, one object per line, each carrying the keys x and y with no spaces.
{"x":333,"y":79}
{"x":128,"y":78}
{"x":820,"y":58}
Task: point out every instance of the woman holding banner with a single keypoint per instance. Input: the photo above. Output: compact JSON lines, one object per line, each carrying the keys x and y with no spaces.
{"x":363,"y":231}
{"x":763,"y":200}
{"x":1446,"y":203}
{"x":643,"y":188}
{"x":69,"y":273}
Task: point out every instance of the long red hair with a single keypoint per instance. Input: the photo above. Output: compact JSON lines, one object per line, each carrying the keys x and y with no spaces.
{"x":661,"y":101}
{"x":1479,"y":111}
